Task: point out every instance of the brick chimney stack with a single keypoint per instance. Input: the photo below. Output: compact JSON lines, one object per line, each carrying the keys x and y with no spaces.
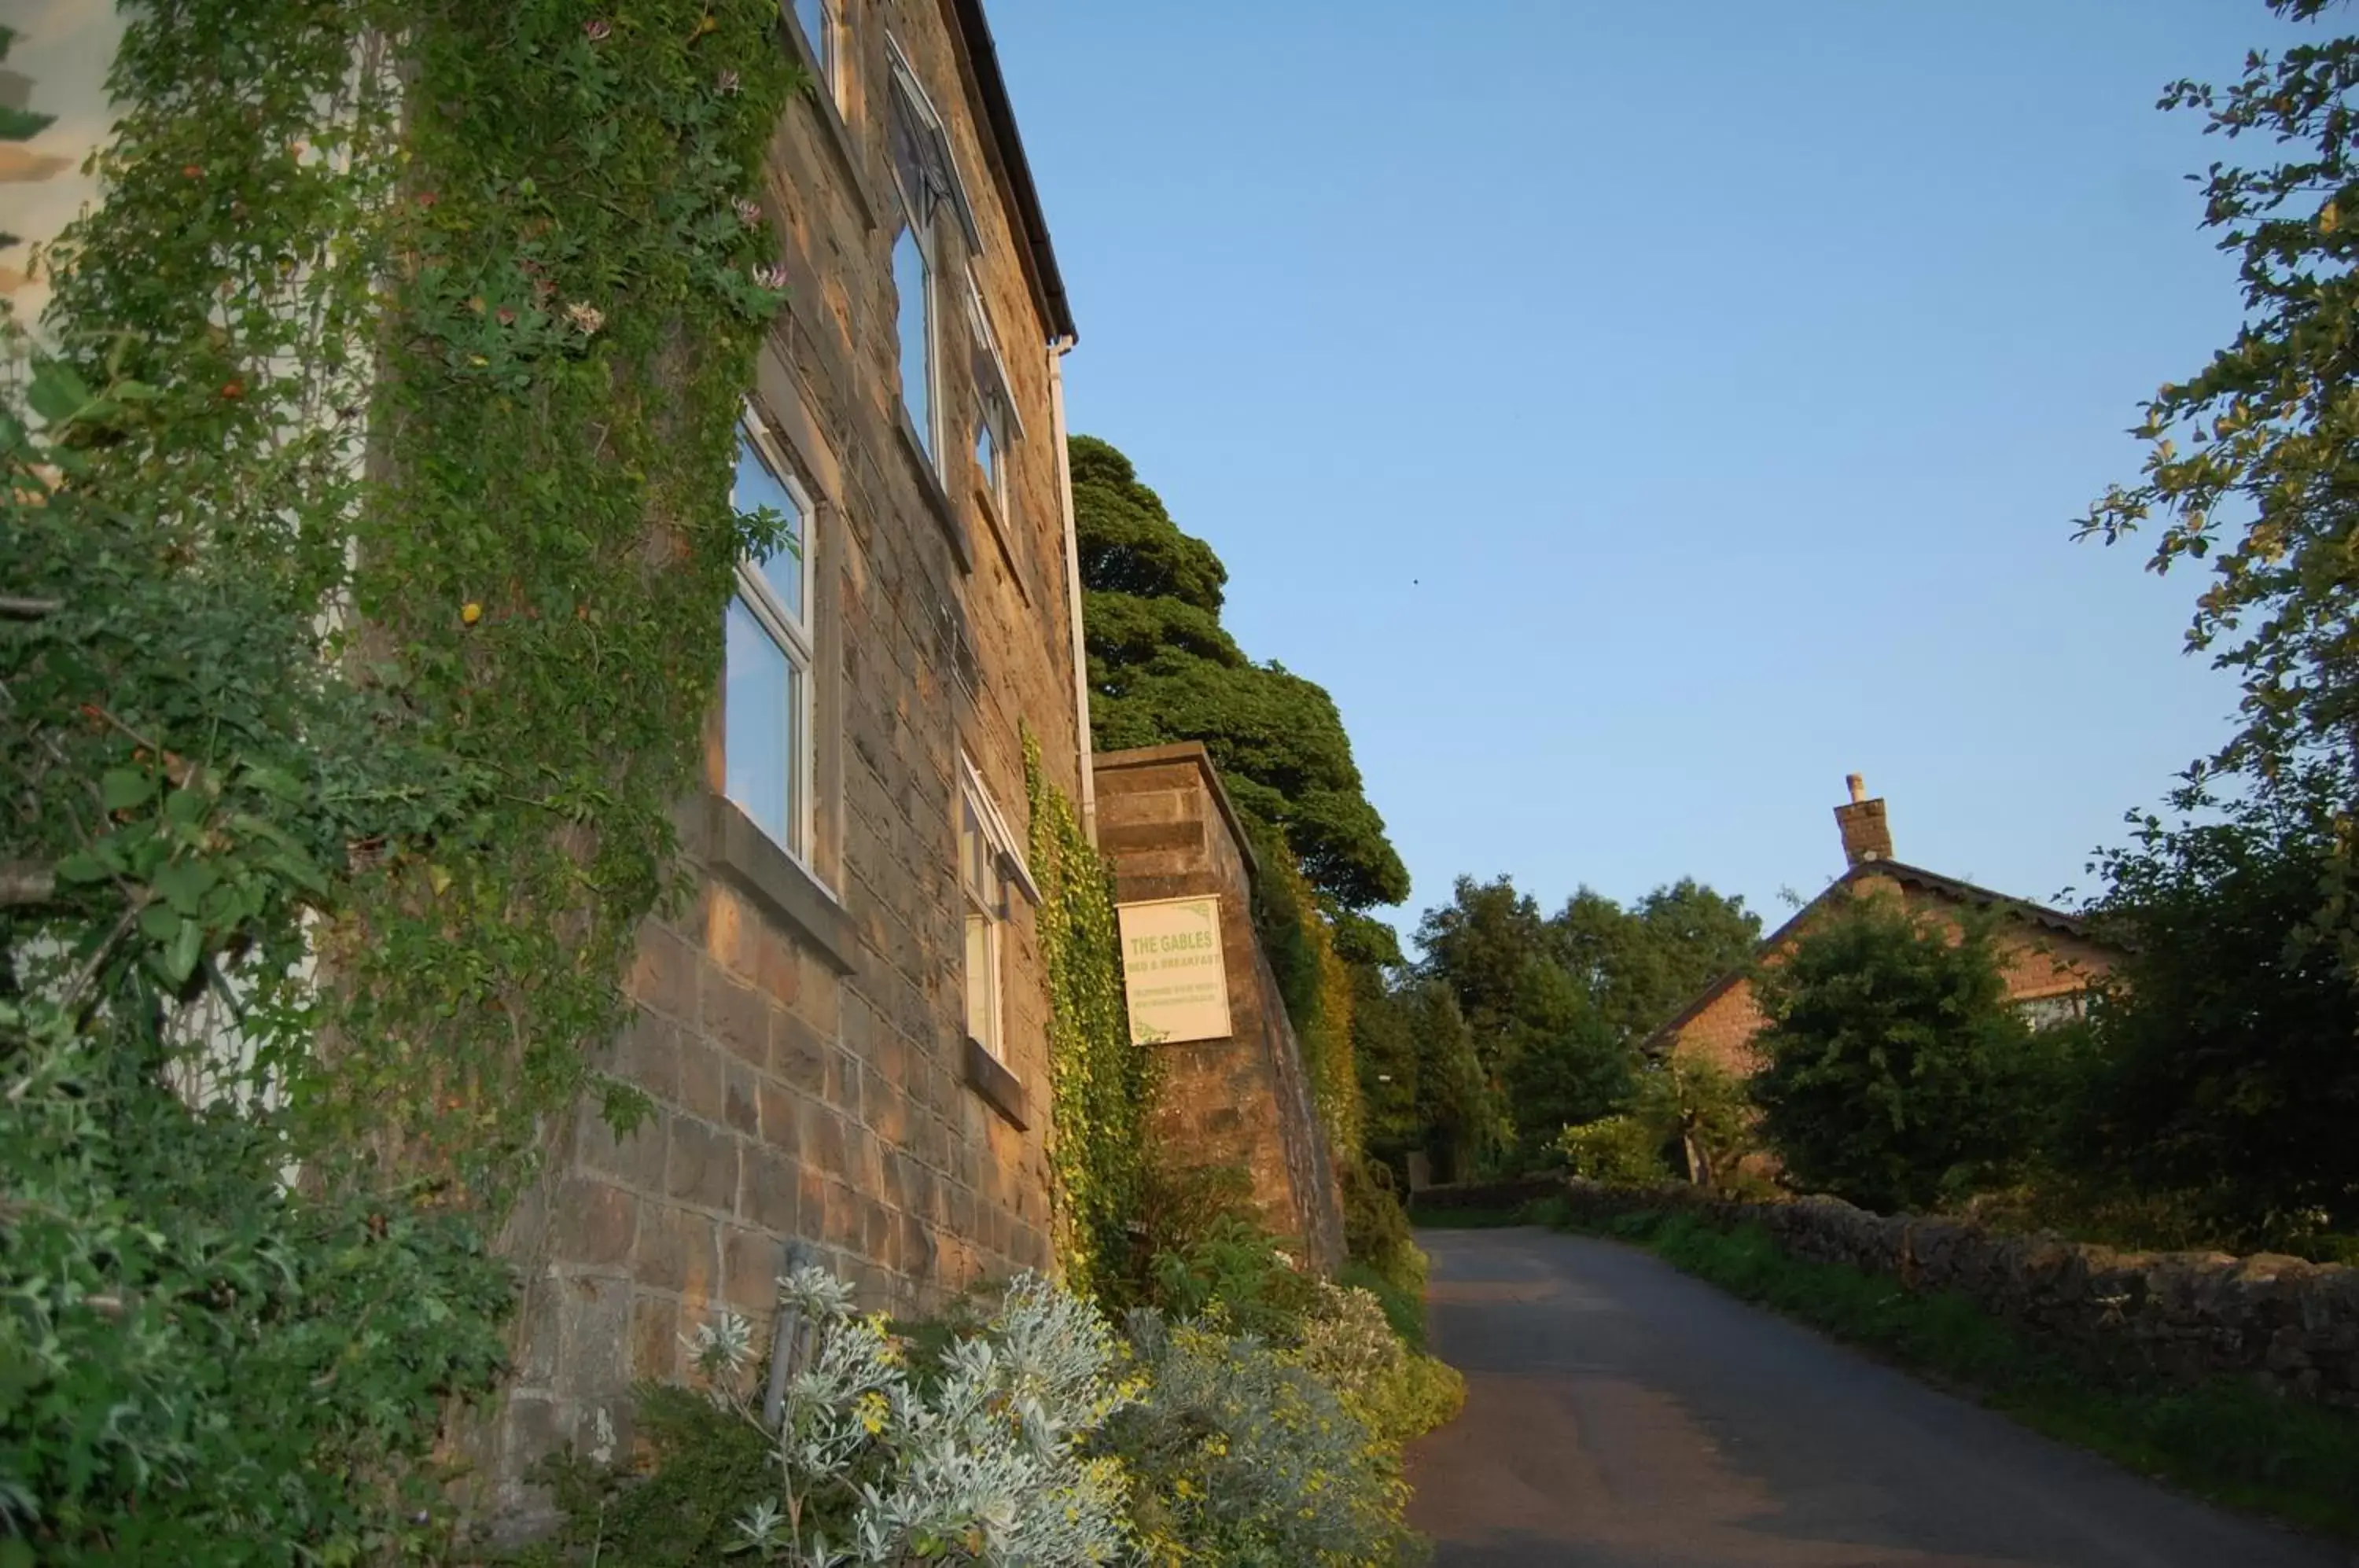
{"x":1865,"y":835}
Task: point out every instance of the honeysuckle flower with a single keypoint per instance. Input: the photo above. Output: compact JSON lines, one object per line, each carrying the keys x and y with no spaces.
{"x":749,"y":212}
{"x":727,"y":80}
{"x":597,"y":30}
{"x":770,"y":275}
{"x":588,"y":318}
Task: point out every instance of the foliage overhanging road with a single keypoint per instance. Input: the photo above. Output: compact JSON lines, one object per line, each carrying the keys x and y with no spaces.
{"x":1619,"y":1413}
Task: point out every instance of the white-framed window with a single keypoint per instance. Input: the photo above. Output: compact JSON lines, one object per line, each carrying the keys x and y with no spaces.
{"x":926,"y":185}
{"x":913,"y":288}
{"x":990,"y":866}
{"x":995,"y":426}
{"x":822,"y":28}
{"x":2042,"y":1013}
{"x":766,"y":688}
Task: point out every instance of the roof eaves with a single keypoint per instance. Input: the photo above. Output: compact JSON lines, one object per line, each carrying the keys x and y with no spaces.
{"x":1898,"y":871}
{"x":1014,"y":170}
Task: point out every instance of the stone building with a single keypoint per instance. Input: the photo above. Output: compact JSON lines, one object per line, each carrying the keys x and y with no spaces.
{"x":2047,"y":956}
{"x":843,"y":1033}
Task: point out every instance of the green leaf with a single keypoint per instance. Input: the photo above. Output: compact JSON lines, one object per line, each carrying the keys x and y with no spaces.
{"x":57,"y":394}
{"x":187,"y":946}
{"x":185,"y":882}
{"x":158,"y":923}
{"x":82,"y":866}
{"x":186,"y":808}
{"x":123,"y":787}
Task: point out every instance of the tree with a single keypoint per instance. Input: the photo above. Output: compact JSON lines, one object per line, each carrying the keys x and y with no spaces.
{"x":2254,"y":463}
{"x":1558,"y":1006}
{"x":1562,"y":1061}
{"x":1465,"y":1125}
{"x":1481,"y":944}
{"x":2228,"y":1040}
{"x":1896,"y":1075}
{"x":1163,"y":669}
{"x":1641,"y":964}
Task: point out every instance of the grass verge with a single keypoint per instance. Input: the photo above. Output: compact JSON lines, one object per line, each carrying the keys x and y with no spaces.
{"x":2224,"y":1439}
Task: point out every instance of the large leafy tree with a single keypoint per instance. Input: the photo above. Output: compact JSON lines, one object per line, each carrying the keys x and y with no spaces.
{"x":1423,"y":1084}
{"x":2253,"y":464}
{"x":1163,"y":669}
{"x":2229,"y":1067}
{"x":1557,"y":1005}
{"x":1639,"y":965}
{"x":1896,"y":1075}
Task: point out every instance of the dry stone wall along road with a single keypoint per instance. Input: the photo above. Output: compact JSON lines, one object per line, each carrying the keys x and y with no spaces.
{"x":1620,"y":1414}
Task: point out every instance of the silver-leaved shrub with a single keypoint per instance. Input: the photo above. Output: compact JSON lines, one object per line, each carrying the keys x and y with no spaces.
{"x":984,"y":1455}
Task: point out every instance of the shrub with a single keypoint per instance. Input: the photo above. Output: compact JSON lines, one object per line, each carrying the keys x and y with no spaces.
{"x":1029,"y":1434}
{"x":982,"y":1451}
{"x":1239,"y":1455}
{"x":2225,"y":1072}
{"x":1404,"y":1306}
{"x":1621,"y":1151}
{"x":1238,"y":1270}
{"x":1398,"y":1392}
{"x":1895,"y":1076}
{"x":1377,"y":1237}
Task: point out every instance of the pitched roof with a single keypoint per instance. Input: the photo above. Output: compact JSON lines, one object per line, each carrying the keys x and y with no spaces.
{"x":1916,"y":876}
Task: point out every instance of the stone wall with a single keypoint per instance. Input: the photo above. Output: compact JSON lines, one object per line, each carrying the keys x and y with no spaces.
{"x":800,"y":1028}
{"x":1487,"y":1196}
{"x":1245,"y":1101}
{"x":2292,"y":1325}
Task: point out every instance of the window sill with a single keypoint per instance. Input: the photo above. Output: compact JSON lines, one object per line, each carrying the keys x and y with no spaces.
{"x":938,"y":500}
{"x":1000,"y":1089}
{"x":754,"y":863}
{"x":833,"y":130}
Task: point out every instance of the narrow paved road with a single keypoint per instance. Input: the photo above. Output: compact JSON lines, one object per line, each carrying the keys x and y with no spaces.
{"x":1620,"y":1414}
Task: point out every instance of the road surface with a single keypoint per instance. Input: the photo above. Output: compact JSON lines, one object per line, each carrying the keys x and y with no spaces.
{"x":1620,"y":1414}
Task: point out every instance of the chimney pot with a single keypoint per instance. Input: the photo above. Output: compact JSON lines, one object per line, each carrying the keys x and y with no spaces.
{"x":1858,"y":787}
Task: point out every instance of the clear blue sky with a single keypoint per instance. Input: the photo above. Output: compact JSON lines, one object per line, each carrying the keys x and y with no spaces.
{"x":1640,"y":416}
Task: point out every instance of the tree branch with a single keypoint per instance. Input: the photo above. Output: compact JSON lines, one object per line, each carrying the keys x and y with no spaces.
{"x":25,"y":609}
{"x":26,"y":882}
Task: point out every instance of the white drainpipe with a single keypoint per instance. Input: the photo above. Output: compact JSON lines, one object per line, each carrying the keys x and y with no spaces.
{"x":1057,"y":352}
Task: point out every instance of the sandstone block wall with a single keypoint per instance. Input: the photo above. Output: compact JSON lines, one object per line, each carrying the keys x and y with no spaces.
{"x":1244,"y":1101}
{"x":2291,"y":1325}
{"x":800,"y":1028}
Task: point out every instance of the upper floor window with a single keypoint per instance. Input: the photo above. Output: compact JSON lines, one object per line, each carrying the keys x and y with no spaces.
{"x":913,"y":288}
{"x":994,"y":405}
{"x":929,"y":189}
{"x":822,"y":36}
{"x":766,"y":686}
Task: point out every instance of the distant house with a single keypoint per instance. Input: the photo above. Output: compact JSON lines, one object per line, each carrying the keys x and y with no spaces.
{"x":2049,"y":960}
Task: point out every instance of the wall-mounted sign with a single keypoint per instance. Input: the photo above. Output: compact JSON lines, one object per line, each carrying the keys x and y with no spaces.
{"x":1171,"y":970}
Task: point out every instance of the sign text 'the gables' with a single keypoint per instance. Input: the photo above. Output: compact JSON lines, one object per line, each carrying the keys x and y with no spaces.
{"x":1172,"y":970}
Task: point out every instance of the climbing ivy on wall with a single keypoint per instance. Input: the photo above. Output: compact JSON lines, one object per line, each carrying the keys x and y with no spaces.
{"x":1314,"y":984}
{"x":407,"y":344}
{"x":1101,"y":1081}
{"x":451,"y":307}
